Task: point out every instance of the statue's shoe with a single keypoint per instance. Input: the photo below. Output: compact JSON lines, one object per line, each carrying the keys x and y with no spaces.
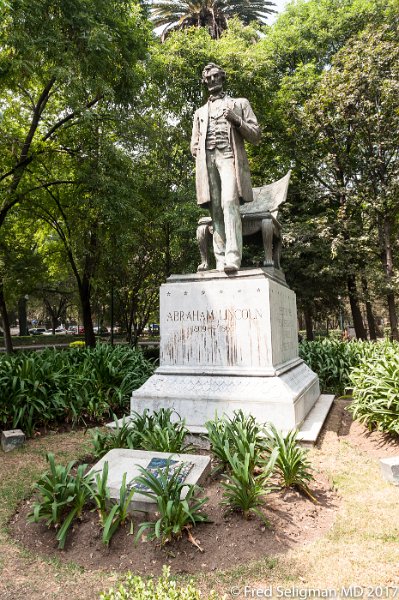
{"x":203,"y":267}
{"x":230,"y":268}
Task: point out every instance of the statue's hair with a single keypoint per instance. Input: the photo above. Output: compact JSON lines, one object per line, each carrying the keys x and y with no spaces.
{"x":211,"y":66}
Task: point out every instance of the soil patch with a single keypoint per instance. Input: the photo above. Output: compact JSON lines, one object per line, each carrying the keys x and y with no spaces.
{"x":227,"y":541}
{"x":373,"y":443}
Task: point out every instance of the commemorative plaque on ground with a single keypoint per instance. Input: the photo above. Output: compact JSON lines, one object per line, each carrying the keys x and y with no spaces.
{"x":194,"y":470}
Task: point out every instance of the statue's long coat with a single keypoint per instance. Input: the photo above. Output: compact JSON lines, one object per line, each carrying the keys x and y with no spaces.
{"x":249,"y":131}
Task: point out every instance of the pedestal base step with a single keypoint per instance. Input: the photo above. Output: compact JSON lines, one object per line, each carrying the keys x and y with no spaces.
{"x":309,"y":431}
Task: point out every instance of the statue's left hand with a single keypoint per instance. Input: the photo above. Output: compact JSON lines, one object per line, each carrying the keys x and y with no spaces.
{"x":231,"y":116}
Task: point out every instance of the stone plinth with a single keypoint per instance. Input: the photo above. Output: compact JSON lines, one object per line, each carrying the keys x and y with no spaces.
{"x":229,"y":342}
{"x":390,"y":469}
{"x":12,"y":439}
{"x":244,"y":323}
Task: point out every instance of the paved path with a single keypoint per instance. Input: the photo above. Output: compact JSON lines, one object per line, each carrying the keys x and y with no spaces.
{"x":148,"y":344}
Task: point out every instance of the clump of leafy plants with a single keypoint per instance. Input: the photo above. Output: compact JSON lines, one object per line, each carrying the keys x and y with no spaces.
{"x":169,"y":437}
{"x":243,"y":490}
{"x":238,"y":433}
{"x":76,"y":386}
{"x":119,"y":512}
{"x":166,"y":588}
{"x":62,"y":497}
{"x":333,"y":361}
{"x":101,"y":495}
{"x":376,"y":389}
{"x":238,"y":442}
{"x":123,"y":435}
{"x":156,"y":431}
{"x":176,"y":514}
{"x":291,"y":462}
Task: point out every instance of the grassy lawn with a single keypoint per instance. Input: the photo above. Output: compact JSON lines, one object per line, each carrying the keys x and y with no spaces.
{"x":361,"y":548}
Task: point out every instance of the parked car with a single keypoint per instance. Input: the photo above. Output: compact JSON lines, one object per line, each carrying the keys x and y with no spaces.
{"x":37,"y":331}
{"x":100,"y":330}
{"x":74,"y":330}
{"x":153,"y":329}
{"x":58,"y":331}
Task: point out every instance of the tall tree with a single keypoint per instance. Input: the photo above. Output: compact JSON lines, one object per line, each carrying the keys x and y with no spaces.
{"x":54,"y":82}
{"x":354,"y":113}
{"x":213,"y":15}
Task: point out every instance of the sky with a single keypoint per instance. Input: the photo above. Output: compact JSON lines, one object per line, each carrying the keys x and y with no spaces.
{"x":279,"y":6}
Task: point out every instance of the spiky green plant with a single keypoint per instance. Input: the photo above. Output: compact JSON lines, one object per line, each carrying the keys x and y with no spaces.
{"x":238,"y":434}
{"x":376,"y":389}
{"x":292,"y":463}
{"x":123,"y":435}
{"x":101,"y":494}
{"x":119,"y":512}
{"x":62,"y":496}
{"x":242,"y":490}
{"x":175,"y":513}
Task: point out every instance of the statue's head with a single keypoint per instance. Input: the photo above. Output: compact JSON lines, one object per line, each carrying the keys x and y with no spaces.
{"x":213,"y":76}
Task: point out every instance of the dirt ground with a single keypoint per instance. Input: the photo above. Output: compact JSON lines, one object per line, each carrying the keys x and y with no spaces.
{"x":227,"y":541}
{"x":230,"y":542}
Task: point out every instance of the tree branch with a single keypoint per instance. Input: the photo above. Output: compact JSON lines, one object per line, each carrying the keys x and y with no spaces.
{"x":71,"y":115}
{"x":39,"y":108}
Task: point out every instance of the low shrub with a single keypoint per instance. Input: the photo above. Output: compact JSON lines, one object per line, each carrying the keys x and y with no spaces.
{"x":77,"y":344}
{"x":77,"y":386}
{"x":166,"y":588}
{"x":147,"y":431}
{"x":291,"y":462}
{"x":333,"y":361}
{"x":376,"y":389}
{"x":175,"y":514}
{"x":62,"y":497}
{"x":238,"y":433}
{"x":243,"y":490}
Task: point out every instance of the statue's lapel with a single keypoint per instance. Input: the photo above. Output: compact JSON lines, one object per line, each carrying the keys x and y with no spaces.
{"x":204,"y":117}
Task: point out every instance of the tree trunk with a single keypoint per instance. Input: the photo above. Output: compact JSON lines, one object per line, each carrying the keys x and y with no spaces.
{"x":134,"y":340}
{"x":85,"y":300}
{"x":356,"y":314}
{"x":54,"y":322}
{"x":168,"y":259}
{"x":309,"y":325}
{"x":22,"y":318}
{"x":5,"y":320}
{"x":388,"y":264}
{"x":393,"y":319}
{"x":369,"y":310}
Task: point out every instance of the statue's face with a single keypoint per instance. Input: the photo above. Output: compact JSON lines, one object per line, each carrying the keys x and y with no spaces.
{"x":214,"y":81}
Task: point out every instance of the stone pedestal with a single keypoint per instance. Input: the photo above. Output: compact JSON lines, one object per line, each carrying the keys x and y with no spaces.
{"x":230,"y":342}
